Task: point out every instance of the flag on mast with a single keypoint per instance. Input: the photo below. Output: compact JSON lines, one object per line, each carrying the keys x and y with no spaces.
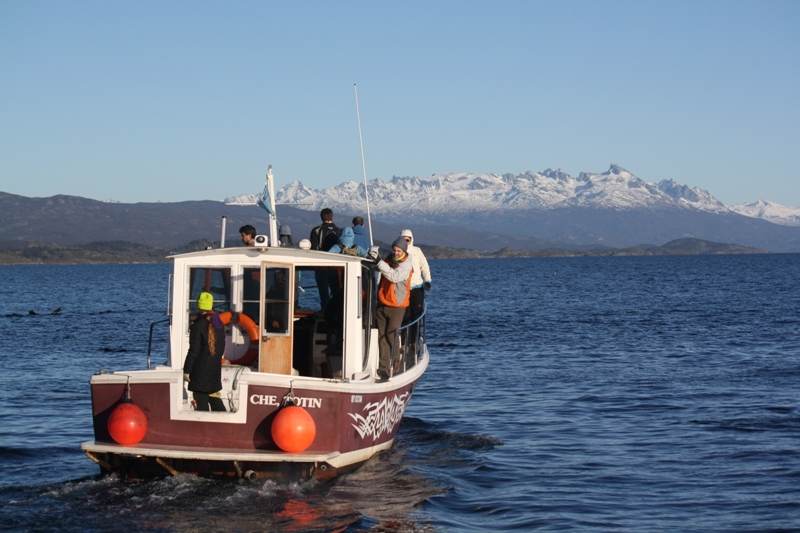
{"x":264,"y":201}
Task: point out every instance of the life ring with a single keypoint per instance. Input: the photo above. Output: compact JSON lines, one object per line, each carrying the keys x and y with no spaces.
{"x":250,"y":327}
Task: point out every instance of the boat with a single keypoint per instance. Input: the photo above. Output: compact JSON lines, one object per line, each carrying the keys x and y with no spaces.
{"x":320,"y":365}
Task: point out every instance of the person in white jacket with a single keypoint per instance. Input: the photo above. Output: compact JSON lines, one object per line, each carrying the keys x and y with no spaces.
{"x":420,"y":279}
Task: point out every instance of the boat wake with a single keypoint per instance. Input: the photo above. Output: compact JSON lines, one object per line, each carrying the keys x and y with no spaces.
{"x":426,"y":432}
{"x":388,"y":491}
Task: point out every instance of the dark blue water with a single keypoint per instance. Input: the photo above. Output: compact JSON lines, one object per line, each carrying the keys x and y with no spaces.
{"x":590,"y":394}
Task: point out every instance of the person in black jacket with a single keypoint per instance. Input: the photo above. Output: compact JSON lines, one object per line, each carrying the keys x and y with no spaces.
{"x":323,"y":237}
{"x":203,"y":365}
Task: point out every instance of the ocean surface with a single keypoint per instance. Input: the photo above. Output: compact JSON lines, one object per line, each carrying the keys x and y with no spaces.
{"x":564,"y":394}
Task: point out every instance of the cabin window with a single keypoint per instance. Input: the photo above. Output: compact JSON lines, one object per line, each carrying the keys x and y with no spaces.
{"x":307,"y":296}
{"x":276,"y":300}
{"x":216,"y":281}
{"x":251,"y":293}
{"x":322,"y":292}
{"x":318,"y":330}
{"x":318,"y":286}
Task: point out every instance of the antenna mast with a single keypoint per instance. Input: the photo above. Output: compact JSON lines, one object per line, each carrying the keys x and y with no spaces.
{"x":363,"y":166}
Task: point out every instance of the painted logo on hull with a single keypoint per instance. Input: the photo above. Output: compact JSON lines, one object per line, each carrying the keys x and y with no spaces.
{"x":381,"y":417}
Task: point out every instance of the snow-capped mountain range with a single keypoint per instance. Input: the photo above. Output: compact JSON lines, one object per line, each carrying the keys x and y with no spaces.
{"x":552,"y":209}
{"x":444,"y":195}
{"x":770,"y":211}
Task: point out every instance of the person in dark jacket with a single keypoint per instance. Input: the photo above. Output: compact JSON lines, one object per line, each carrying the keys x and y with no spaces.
{"x":323,"y":237}
{"x":203,"y":365}
{"x":326,"y":234}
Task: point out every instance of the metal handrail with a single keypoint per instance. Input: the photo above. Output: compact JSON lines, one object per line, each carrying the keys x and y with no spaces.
{"x":418,"y":341}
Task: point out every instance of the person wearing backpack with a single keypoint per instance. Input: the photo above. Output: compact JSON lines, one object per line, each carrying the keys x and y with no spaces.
{"x":326,"y":234}
{"x":347,"y":244}
{"x":323,"y":237}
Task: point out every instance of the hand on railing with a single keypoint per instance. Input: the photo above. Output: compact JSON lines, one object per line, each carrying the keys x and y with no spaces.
{"x":374,"y":254}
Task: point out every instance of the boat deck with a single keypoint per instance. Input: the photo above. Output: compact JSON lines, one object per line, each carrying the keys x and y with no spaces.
{"x":209,"y":454}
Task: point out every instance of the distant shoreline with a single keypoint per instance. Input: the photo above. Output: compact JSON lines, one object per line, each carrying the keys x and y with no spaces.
{"x":121,"y":252}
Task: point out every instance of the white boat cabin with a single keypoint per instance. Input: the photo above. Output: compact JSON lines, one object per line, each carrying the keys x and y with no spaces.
{"x":287,"y":328}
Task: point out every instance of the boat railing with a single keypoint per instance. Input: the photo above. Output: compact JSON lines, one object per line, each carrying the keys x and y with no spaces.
{"x":150,"y":340}
{"x":407,"y":344}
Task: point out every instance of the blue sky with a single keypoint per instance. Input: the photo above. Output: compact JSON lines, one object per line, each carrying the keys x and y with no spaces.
{"x":168,"y":101}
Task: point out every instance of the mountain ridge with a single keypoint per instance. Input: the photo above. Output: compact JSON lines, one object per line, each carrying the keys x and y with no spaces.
{"x":549,"y":189}
{"x":465,"y":192}
{"x":769,"y":211}
{"x":612,"y":208}
{"x":485,"y":212}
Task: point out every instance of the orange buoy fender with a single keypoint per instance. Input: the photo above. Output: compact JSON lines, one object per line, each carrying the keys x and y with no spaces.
{"x":249,"y":327}
{"x":293,"y":429}
{"x":127,"y":424}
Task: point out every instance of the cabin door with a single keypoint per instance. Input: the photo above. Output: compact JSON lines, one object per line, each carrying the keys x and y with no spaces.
{"x":276,"y":324}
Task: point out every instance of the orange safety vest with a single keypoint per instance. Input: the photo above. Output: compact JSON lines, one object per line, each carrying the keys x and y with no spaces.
{"x":395,"y":294}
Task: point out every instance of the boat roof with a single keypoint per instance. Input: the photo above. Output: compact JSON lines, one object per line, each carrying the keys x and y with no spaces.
{"x":244,"y":253}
